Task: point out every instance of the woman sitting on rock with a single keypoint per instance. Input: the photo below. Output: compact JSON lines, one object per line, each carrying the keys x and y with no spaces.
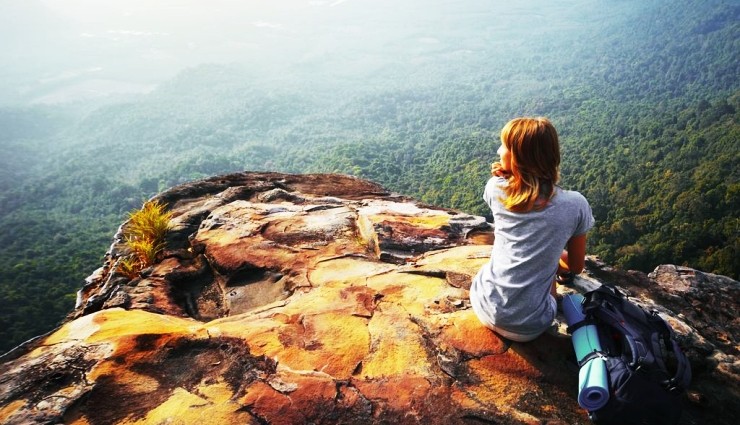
{"x":534,"y":219}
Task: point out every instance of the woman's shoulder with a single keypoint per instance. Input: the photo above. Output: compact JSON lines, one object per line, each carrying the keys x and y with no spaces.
{"x":574,"y":204}
{"x":570,"y":195}
{"x":496,"y":184}
{"x":494,"y":191}
{"x":498,"y":181}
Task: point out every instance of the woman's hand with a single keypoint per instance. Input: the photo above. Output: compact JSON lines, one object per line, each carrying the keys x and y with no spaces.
{"x":497,"y":170}
{"x":572,"y":260}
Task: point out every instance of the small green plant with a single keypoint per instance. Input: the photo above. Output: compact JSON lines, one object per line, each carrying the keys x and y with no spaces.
{"x":129,"y":267}
{"x":144,"y":251}
{"x":145,"y":235}
{"x":150,"y":223}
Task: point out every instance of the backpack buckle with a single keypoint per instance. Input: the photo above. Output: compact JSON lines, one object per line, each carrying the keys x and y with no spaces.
{"x":565,"y":279}
{"x":672,"y":387}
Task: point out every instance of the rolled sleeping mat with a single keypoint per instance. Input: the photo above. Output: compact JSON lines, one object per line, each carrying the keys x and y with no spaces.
{"x":593,"y":393}
{"x":593,"y":387}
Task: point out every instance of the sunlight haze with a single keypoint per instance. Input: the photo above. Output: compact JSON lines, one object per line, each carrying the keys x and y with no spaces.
{"x":90,"y":48}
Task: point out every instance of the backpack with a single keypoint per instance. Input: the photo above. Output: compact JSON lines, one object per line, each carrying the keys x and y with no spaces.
{"x":647,"y":372}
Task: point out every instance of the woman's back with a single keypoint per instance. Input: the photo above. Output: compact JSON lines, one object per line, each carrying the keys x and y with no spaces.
{"x":513,"y":288}
{"x":535,"y":220}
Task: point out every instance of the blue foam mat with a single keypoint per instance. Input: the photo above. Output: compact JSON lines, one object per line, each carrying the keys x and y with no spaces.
{"x":593,"y":389}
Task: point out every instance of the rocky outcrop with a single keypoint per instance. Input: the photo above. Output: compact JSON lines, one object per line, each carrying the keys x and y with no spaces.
{"x":286,"y":299}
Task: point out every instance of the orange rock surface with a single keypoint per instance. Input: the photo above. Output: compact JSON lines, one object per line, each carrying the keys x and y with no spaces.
{"x":292,"y":300}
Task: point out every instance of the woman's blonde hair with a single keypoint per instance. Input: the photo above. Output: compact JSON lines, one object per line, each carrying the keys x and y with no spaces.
{"x":535,"y":161}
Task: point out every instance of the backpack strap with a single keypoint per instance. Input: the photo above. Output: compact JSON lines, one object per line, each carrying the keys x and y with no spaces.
{"x":681,"y":379}
{"x":590,"y":356}
{"x":578,"y":325}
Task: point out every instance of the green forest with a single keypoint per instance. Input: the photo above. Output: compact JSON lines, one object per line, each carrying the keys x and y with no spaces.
{"x":644,"y":94}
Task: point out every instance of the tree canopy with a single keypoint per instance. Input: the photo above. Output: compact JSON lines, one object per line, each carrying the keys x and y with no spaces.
{"x":644,"y":95}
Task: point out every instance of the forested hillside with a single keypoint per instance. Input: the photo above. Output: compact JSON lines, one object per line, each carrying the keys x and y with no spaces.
{"x":645,"y":96}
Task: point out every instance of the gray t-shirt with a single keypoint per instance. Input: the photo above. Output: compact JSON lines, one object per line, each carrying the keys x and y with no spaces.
{"x":512,"y":290}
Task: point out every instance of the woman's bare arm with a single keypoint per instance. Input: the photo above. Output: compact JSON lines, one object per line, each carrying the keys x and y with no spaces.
{"x":574,"y":256}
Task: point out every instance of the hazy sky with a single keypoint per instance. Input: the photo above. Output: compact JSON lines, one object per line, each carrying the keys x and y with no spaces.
{"x":146,"y":41}
{"x":56,"y":49}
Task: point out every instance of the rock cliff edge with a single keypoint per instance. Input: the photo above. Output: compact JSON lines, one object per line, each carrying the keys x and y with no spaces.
{"x":292,"y":299}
